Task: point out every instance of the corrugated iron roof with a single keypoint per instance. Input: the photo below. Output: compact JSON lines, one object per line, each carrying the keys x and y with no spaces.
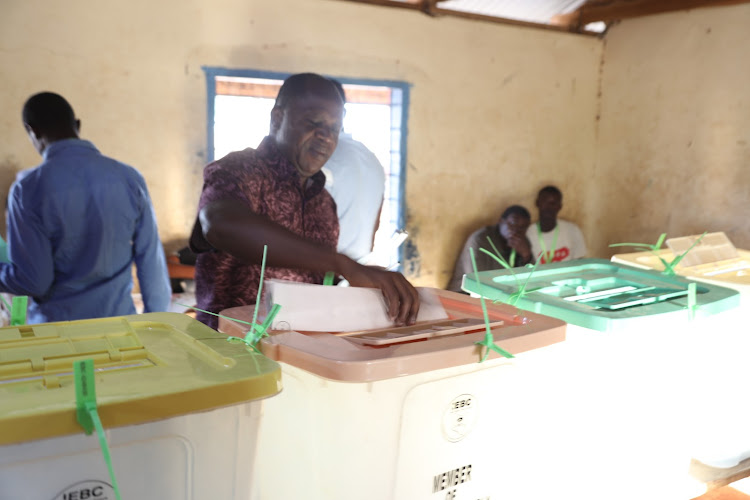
{"x":532,"y":11}
{"x":577,"y":16}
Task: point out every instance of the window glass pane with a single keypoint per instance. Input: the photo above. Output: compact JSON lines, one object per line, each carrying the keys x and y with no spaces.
{"x":240,"y":122}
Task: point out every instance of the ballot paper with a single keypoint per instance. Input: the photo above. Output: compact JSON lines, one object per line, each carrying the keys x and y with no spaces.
{"x":320,"y":308}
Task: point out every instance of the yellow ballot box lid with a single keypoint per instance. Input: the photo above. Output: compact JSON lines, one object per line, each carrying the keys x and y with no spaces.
{"x":147,"y":367}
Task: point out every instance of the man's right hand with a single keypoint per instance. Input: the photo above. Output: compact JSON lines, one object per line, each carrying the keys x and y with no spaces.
{"x":401,"y":298}
{"x":520,"y":243}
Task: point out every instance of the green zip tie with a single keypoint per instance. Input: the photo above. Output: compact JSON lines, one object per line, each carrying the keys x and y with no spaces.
{"x":257,"y":328}
{"x":328,"y":280}
{"x":256,"y":331}
{"x":692,"y":303}
{"x":260,"y":285}
{"x":520,"y":287}
{"x":654,"y":249}
{"x":488,"y":341}
{"x":261,"y":330}
{"x":87,"y":414}
{"x":18,"y":310}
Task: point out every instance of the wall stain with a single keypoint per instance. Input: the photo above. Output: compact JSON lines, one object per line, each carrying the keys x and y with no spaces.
{"x":412,"y":266}
{"x":599,"y":83}
{"x":508,"y":79}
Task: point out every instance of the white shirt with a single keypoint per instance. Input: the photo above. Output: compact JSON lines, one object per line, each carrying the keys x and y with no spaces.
{"x":356,"y":180}
{"x":568,"y":246}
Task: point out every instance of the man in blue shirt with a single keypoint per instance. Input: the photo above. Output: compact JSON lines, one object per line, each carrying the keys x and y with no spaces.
{"x":76,"y":224}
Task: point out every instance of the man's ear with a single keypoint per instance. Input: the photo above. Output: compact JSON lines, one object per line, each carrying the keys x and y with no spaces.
{"x":277,"y":116}
{"x":32,"y":133}
{"x":78,"y":126}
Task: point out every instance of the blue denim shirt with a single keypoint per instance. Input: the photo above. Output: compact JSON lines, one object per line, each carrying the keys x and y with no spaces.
{"x":76,"y":224}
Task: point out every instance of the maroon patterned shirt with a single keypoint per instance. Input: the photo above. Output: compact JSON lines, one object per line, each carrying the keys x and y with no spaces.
{"x":270,"y":186}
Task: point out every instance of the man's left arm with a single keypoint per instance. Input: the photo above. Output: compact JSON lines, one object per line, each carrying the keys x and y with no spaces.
{"x":150,"y":262}
{"x":31,"y":270}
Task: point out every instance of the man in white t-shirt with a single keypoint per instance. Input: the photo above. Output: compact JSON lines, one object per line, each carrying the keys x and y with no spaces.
{"x":356,"y":181}
{"x":553,"y":239}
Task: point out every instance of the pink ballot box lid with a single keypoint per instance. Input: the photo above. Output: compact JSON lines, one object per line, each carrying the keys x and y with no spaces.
{"x":384,"y":353}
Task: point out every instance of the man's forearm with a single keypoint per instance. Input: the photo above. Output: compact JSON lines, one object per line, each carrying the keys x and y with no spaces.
{"x":231,"y":227}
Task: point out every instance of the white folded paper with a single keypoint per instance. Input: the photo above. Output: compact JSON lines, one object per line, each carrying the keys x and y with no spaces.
{"x":320,"y":308}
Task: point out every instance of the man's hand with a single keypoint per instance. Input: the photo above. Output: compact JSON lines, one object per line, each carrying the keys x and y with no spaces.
{"x":401,"y":298}
{"x":520,"y":243}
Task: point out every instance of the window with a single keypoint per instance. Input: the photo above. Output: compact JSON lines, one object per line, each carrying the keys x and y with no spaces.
{"x":239,"y":109}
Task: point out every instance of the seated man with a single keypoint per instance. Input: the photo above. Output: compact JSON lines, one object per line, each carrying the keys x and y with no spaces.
{"x":507,"y":235}
{"x":275,"y":196}
{"x":76,"y":225}
{"x":553,"y":239}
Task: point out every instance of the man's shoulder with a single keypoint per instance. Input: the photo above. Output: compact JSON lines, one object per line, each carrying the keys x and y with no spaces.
{"x":481,"y":234}
{"x":126,"y":169}
{"x":349,"y":150}
{"x":104,"y":169}
{"x":82,"y":153}
{"x":247,"y":161}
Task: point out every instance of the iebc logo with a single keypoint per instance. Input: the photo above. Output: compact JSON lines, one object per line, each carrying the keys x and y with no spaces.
{"x":86,"y":490}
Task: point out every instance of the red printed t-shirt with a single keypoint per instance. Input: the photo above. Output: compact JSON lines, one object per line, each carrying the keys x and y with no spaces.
{"x":270,"y":186}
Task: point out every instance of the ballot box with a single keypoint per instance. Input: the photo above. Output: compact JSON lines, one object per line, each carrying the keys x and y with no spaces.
{"x":406,"y":413}
{"x":628,"y":367}
{"x":178,"y":402}
{"x":714,"y":259}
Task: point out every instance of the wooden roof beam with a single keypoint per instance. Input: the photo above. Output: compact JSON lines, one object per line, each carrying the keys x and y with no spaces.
{"x":408,"y":4}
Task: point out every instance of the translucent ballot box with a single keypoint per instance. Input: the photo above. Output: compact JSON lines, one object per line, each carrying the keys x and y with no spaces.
{"x":720,"y":438}
{"x":599,"y":295}
{"x":407,"y":413}
{"x":721,"y":449}
{"x":179,"y":405}
{"x":714,"y":259}
{"x":629,"y":366}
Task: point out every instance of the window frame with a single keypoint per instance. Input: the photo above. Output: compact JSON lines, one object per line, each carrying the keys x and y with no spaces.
{"x":211,"y":72}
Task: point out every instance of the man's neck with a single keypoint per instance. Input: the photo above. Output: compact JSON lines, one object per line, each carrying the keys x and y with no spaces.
{"x":547,"y":225}
{"x":49,"y":140}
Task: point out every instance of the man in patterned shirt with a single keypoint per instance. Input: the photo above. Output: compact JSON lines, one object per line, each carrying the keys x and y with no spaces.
{"x":274,"y":196}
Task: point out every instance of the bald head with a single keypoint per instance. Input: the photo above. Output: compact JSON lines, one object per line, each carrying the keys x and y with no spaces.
{"x":302,"y":84}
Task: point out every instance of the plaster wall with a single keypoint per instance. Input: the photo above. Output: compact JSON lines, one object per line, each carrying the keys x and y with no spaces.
{"x":496,"y":111}
{"x":674,"y":137}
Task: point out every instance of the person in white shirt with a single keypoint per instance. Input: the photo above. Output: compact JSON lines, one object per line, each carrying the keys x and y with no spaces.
{"x":356,"y":181}
{"x":553,"y":239}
